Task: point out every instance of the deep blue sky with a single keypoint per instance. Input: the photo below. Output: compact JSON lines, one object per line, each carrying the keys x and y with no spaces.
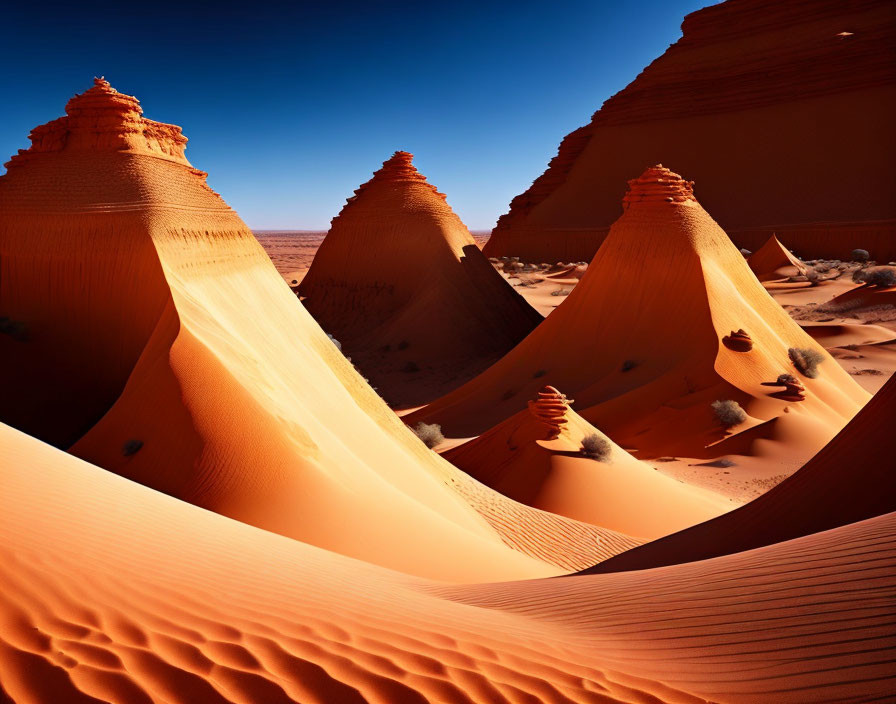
{"x":290,"y":107}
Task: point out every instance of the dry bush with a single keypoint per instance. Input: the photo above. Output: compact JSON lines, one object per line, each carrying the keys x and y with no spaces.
{"x":806,"y":360}
{"x":729,"y":413}
{"x":430,"y":434}
{"x":596,"y":447}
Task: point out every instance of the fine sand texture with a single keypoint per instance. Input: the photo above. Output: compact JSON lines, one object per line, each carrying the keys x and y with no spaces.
{"x":537,"y":456}
{"x":782,"y":112}
{"x":400,"y":282}
{"x":667,"y":320}
{"x":850,"y":480}
{"x":112,"y":592}
{"x":190,"y":367}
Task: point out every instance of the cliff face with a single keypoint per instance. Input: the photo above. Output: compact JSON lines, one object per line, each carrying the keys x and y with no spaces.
{"x":781,"y":111}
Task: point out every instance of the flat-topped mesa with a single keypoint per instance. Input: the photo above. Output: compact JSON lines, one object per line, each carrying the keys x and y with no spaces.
{"x":102,"y":119}
{"x":658,"y":185}
{"x":550,"y":409}
{"x":397,"y":169}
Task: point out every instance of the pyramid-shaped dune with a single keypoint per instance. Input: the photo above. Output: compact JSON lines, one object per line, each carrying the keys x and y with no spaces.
{"x":768,"y":261}
{"x":116,"y":593}
{"x":401,"y":284}
{"x":781,"y":111}
{"x":536,"y":457}
{"x":850,"y":480}
{"x":144,"y":351}
{"x":667,"y":320}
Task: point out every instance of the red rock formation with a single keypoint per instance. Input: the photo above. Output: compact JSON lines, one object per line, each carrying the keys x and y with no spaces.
{"x":738,"y":340}
{"x":640,"y":343}
{"x":793,"y":388}
{"x":550,"y":409}
{"x":783,"y":120}
{"x":400,"y":282}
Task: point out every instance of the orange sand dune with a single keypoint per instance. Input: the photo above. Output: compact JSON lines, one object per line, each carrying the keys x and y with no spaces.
{"x":841,"y":334}
{"x":400,"y":282}
{"x":850,"y":480}
{"x":534,"y":457}
{"x":769,"y":260}
{"x":651,"y":337}
{"x":112,"y":592}
{"x":161,"y":339}
{"x":863,"y":296}
{"x":781,"y":111}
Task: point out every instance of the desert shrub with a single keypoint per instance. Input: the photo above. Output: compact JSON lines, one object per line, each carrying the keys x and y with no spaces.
{"x":786,"y":379}
{"x":131,"y":447}
{"x":882,"y":276}
{"x":628,"y":365}
{"x":410,"y":368}
{"x":728,"y":412}
{"x":806,"y":360}
{"x":561,"y":292}
{"x":860,"y":255}
{"x":596,"y":447}
{"x":430,"y":434}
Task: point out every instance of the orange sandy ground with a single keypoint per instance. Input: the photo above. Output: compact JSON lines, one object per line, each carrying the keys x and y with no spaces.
{"x":863,"y":342}
{"x":116,"y":593}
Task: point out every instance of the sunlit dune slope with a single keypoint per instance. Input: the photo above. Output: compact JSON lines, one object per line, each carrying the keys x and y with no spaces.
{"x":536,"y":457}
{"x":401,"y":284}
{"x":112,"y":592}
{"x":667,"y":320}
{"x":850,"y":480}
{"x":180,"y":359}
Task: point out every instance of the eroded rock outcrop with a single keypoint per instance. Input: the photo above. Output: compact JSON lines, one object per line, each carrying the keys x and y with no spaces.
{"x":738,"y":340}
{"x":551,"y":408}
{"x":750,"y":103}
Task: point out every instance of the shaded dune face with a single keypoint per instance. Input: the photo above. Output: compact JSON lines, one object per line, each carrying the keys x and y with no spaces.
{"x":399,"y":281}
{"x":844,"y":483}
{"x":782,"y":119}
{"x":113,"y":593}
{"x":639,"y":344}
{"x":180,"y":359}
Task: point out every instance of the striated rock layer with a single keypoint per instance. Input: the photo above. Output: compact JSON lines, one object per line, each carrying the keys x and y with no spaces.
{"x":155,"y":339}
{"x":640,"y":343}
{"x":782,"y":112}
{"x":114,"y":593}
{"x":401,"y":284}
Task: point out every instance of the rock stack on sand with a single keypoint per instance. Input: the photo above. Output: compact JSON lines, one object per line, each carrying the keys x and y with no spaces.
{"x":400,"y":283}
{"x":774,"y":261}
{"x":160,"y":340}
{"x":782,"y":112}
{"x":639,"y":344}
{"x":538,"y":456}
